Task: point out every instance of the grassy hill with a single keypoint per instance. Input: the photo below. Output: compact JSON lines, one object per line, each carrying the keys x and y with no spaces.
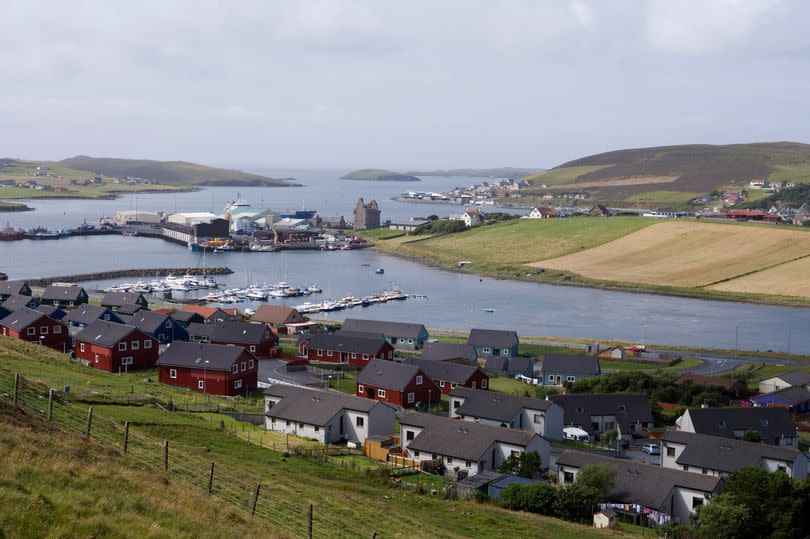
{"x":501,"y":172}
{"x":378,"y":175}
{"x":673,"y":175}
{"x":170,"y":172}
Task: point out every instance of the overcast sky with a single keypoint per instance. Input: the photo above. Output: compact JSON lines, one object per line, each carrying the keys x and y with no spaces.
{"x":397,"y":84}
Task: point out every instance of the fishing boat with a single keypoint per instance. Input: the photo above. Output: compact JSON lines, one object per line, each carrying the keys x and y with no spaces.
{"x":489,"y":310}
{"x":238,"y":203}
{"x":9,"y":233}
{"x":379,"y":271}
{"x":299,"y":214}
{"x":41,"y":233}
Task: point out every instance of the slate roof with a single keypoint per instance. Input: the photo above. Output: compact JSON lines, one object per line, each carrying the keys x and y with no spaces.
{"x":495,"y":363}
{"x":792,"y":395}
{"x":147,"y":321}
{"x":494,"y":405}
{"x":129,"y":309}
{"x":238,"y":332}
{"x":220,"y":357}
{"x":275,"y":314}
{"x":360,"y":343}
{"x":725,"y":454}
{"x":62,"y":293}
{"x":571,"y":364}
{"x":405,"y":330}
{"x":492,"y":337}
{"x":795,"y":378}
{"x":441,"y":370}
{"x":482,"y":479}
{"x":443,"y":351}
{"x":313,"y":406}
{"x":519,"y":365}
{"x":116,"y":299}
{"x":772,"y":422}
{"x":12,"y":287}
{"x":103,"y":333}
{"x":200,"y":329}
{"x":628,"y":408}
{"x":387,"y":374}
{"x":187,"y":316}
{"x":54,"y":312}
{"x":17,"y":301}
{"x":726,"y":383}
{"x":87,"y":314}
{"x":641,"y":483}
{"x":460,"y":439}
{"x":206,"y":312}
{"x":21,"y":318}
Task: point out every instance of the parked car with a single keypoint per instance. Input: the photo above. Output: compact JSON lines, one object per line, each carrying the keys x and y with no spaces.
{"x":577,"y":434}
{"x":651,"y":448}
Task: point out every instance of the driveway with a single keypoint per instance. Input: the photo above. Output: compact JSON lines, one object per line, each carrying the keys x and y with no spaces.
{"x":275,"y":370}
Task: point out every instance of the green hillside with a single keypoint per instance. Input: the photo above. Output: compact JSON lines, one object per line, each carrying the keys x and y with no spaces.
{"x":498,"y":172}
{"x":378,"y":175}
{"x":623,"y":175}
{"x":170,"y":172}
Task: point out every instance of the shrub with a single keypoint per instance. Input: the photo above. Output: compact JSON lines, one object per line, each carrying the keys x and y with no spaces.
{"x":537,"y":498}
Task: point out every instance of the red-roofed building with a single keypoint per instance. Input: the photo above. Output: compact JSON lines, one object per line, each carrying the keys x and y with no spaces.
{"x":753,"y":215}
{"x":35,"y":326}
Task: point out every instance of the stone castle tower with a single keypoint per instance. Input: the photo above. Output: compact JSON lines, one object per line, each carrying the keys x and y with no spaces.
{"x":366,"y":216}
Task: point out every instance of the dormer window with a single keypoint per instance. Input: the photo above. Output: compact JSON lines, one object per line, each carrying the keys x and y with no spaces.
{"x":722,"y":423}
{"x":580,"y":409}
{"x":621,"y":408}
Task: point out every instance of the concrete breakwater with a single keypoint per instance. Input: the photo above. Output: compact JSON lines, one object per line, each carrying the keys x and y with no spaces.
{"x":115,"y":274}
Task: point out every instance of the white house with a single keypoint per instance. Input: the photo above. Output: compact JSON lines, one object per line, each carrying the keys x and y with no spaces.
{"x":471,"y":217}
{"x":540,"y":416}
{"x":543,"y":212}
{"x":788,"y":379}
{"x":774,"y":424}
{"x":466,"y":446}
{"x":326,"y":416}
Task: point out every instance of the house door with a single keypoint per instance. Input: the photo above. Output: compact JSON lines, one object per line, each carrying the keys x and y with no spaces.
{"x":559,"y":380}
{"x":370,"y":393}
{"x":344,"y":357}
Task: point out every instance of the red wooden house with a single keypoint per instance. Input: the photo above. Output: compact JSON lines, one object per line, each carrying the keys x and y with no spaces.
{"x":397,"y":383}
{"x":255,"y":338}
{"x":345,"y":348}
{"x":212,"y":368}
{"x":115,"y":347}
{"x":448,"y":375}
{"x":35,"y":326}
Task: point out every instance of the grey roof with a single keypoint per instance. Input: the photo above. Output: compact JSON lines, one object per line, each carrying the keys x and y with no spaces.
{"x":772,"y":422}
{"x":482,"y":479}
{"x":628,"y":408}
{"x":17,"y":301}
{"x":360,"y":343}
{"x":54,"y":312}
{"x":571,"y":364}
{"x":200,"y":329}
{"x":147,"y":321}
{"x":442,"y":351}
{"x":725,"y":454}
{"x":239,"y":332}
{"x":406,"y":330}
{"x":387,"y":374}
{"x":640,"y":483}
{"x":186,"y":316}
{"x":116,"y":299}
{"x":104,"y":333}
{"x":62,"y":293}
{"x":461,"y":439}
{"x":495,"y":363}
{"x":519,"y":365}
{"x":220,"y":357}
{"x":313,"y":406}
{"x":87,"y":314}
{"x":492,"y":337}
{"x":792,"y":395}
{"x":442,"y":370}
{"x":275,"y":314}
{"x":21,"y":318}
{"x":12,"y":287}
{"x":129,"y":308}
{"x":494,"y":405}
{"x":795,"y":378}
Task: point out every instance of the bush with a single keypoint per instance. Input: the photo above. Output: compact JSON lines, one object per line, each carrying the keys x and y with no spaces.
{"x":537,"y":498}
{"x":527,"y":464}
{"x":576,"y":502}
{"x":600,"y":477}
{"x":441,"y":226}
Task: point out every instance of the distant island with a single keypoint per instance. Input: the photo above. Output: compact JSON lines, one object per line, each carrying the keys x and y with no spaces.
{"x":171,"y":172}
{"x":503,"y":172}
{"x":379,"y":175}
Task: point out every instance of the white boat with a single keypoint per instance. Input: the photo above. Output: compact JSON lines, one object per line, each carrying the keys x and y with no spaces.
{"x":250,"y":312}
{"x":256,"y":295}
{"x":312,"y":289}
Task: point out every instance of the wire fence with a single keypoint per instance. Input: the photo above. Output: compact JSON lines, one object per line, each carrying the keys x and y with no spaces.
{"x":283,"y":509}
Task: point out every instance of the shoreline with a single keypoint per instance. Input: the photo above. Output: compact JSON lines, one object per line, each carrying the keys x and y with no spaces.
{"x":605,"y":285}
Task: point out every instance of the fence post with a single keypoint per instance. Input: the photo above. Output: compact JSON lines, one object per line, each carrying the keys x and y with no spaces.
{"x":211,"y":480}
{"x":16,"y":387}
{"x":126,"y":436}
{"x":165,"y":455}
{"x":256,"y":498}
{"x":50,"y":404}
{"x":89,"y":423}
{"x":310,"y":521}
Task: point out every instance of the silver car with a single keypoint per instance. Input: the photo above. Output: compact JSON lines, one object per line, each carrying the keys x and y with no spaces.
{"x":651,"y":449}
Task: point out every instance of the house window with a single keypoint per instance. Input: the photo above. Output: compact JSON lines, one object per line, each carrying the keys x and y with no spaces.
{"x":147,"y":343}
{"x":449,"y":460}
{"x":506,"y":351}
{"x":106,"y":317}
{"x":361,"y":421}
{"x":251,"y":364}
{"x":168,"y":324}
{"x":409,"y":434}
{"x":237,"y":384}
{"x":235,"y":368}
{"x":300,"y":425}
{"x":288,"y":423}
{"x":419,"y":380}
{"x":360,"y":388}
{"x":453,"y":385}
{"x":32,"y":331}
{"x":782,"y":468}
{"x":570,"y":378}
{"x":686,"y":468}
{"x":456,"y":404}
{"x":621,"y":408}
{"x":81,"y":346}
{"x":365,"y":357}
{"x":670,"y":451}
{"x":467,"y":464}
{"x":696,"y":502}
{"x":126,"y":361}
{"x":122,"y":346}
{"x":416,"y":453}
{"x":486,"y":350}
{"x":595,"y":426}
{"x":411,"y":397}
{"x":57,"y":329}
{"x":135,"y":345}
{"x":381,"y":393}
{"x":317,"y":429}
{"x":244,"y":366}
{"x":252,"y":348}
{"x":200,"y":384}
{"x":538,"y":418}
{"x":441,"y":383}
{"x":172,"y":373}
{"x":568,"y":477}
{"x":320,"y":352}
{"x":484,"y":384}
{"x":703,"y":471}
{"x":354,"y":355}
{"x":473,"y":385}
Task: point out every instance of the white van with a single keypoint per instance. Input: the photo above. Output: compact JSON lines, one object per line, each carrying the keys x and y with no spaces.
{"x":575,"y":433}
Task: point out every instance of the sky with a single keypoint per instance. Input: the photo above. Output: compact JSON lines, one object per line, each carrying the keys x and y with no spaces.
{"x":397,"y":84}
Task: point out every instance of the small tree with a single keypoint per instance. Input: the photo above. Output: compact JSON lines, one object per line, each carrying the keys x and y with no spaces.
{"x":527,"y":464}
{"x":753,"y":436}
{"x":725,"y":519}
{"x":576,"y":502}
{"x":609,"y":436}
{"x":600,"y":477}
{"x":535,"y":497}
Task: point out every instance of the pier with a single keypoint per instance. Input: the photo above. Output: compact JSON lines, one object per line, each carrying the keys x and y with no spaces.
{"x":141,"y":272}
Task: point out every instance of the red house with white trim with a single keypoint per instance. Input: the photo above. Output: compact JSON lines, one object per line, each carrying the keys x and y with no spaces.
{"x":397,"y":383}
{"x":35,"y":326}
{"x":217,"y":369}
{"x":345,"y":348}
{"x":449,"y":376}
{"x":115,"y":347}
